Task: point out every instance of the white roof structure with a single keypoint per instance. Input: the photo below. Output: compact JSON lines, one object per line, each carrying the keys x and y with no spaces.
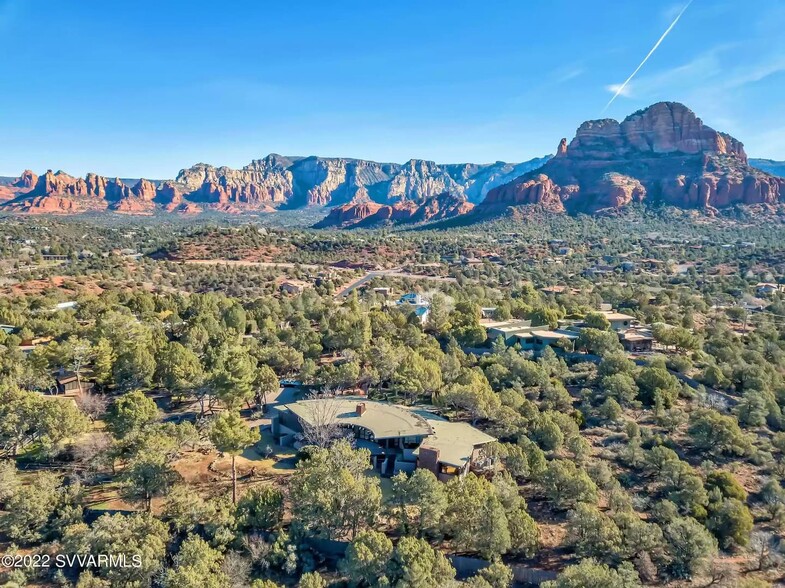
{"x":548,"y":334}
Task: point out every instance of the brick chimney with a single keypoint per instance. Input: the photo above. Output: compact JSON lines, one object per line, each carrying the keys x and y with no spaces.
{"x":360,"y":409}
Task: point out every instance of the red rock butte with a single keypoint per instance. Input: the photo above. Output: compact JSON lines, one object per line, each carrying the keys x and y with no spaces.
{"x":664,"y":153}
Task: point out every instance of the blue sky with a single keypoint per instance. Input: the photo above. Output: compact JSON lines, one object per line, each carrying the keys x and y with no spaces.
{"x":145,"y":88}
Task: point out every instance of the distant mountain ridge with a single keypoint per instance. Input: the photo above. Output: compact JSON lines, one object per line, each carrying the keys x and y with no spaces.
{"x":775,"y":168}
{"x":300,"y":181}
{"x":262,"y":185}
{"x":663,"y":154}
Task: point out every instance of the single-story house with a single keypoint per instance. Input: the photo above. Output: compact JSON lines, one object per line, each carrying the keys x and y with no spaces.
{"x":294,"y":286}
{"x":542,"y":338}
{"x":618,"y":320}
{"x":636,"y":340}
{"x":529,"y":337}
{"x":507,"y":330}
{"x":67,"y":382}
{"x":399,"y":438}
{"x":765,"y":288}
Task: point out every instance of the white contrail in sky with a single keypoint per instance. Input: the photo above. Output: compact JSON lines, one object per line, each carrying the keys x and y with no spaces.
{"x":620,"y":89}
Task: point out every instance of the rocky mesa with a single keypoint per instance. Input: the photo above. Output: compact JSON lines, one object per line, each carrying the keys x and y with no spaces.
{"x":662,"y":154}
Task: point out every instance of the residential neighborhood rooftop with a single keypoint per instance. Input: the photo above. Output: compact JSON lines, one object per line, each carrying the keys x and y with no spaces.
{"x":455,"y":441}
{"x":380,"y":418}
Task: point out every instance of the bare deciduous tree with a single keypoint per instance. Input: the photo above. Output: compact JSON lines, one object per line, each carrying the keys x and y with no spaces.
{"x":721,"y":573}
{"x":259,"y":550}
{"x":237,"y":568}
{"x":92,"y":451}
{"x":80,"y":352}
{"x":93,"y":405}
{"x":761,"y":547}
{"x":321,"y":426}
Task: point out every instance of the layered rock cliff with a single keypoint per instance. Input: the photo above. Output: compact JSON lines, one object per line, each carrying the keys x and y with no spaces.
{"x":775,"y":168}
{"x":663,"y":153}
{"x":362,"y":212}
{"x":262,"y":185}
{"x":322,"y":181}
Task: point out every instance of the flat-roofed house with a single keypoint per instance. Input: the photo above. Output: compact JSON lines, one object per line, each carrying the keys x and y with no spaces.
{"x":453,"y":450}
{"x":294,"y":286}
{"x":636,"y":340}
{"x":399,"y":438}
{"x":544,"y":337}
{"x":507,"y":330}
{"x":618,"y":320}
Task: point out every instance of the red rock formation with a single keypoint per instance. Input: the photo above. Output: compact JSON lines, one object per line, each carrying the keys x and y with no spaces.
{"x":664,"y":152}
{"x":145,"y":190}
{"x":440,"y":207}
{"x":26,"y":181}
{"x":349,"y":213}
{"x":362,"y":212}
{"x":169,"y":194}
{"x":225,"y":208}
{"x":184,"y":208}
{"x":539,"y":190}
{"x":133,"y":205}
{"x":91,"y":186}
{"x":43,"y":204}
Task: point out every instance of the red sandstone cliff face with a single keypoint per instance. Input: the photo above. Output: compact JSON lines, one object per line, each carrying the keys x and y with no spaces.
{"x":361,"y":212}
{"x":538,"y":190}
{"x":349,"y":213}
{"x":43,"y":205}
{"x":663,"y":153}
{"x":133,"y":205}
{"x":145,"y":190}
{"x":26,"y":181}
{"x":7,"y":193}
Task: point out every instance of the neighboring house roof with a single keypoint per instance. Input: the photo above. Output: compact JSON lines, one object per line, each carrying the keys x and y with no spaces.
{"x":509,"y":327}
{"x":384,"y":420}
{"x":634,"y":335}
{"x":555,"y":334}
{"x":617,"y":316}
